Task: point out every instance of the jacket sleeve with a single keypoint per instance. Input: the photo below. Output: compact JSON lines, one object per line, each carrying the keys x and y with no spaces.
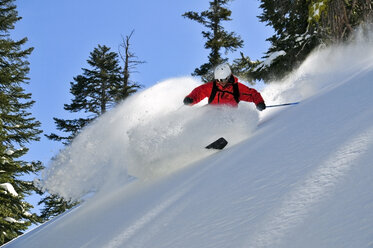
{"x":249,"y":95}
{"x":201,"y":92}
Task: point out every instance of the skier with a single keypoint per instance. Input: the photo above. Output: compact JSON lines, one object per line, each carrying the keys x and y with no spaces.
{"x":225,"y":90}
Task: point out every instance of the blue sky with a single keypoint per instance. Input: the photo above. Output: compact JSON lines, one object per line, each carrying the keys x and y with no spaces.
{"x":63,"y":34}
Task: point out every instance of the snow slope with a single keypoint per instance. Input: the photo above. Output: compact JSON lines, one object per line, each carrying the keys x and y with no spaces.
{"x":302,"y":177}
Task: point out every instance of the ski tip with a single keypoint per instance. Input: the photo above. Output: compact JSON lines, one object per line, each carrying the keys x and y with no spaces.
{"x":218,"y":144}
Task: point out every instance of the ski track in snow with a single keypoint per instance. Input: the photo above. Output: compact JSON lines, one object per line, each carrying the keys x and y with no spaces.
{"x":157,"y":226}
{"x":143,"y":222}
{"x":314,"y":189}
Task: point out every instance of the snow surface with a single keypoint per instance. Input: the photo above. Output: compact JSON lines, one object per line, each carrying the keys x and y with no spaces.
{"x":300,"y":177}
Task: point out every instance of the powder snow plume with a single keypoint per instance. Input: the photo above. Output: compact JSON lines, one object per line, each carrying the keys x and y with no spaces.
{"x":323,"y":70}
{"x":148,"y":135}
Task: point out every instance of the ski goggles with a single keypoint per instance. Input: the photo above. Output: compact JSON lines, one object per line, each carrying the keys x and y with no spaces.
{"x":223,"y":80}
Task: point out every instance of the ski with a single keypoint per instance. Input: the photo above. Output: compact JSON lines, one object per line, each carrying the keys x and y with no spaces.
{"x":218,"y":144}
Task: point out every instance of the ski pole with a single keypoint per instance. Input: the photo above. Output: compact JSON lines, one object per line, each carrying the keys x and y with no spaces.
{"x":284,"y":104}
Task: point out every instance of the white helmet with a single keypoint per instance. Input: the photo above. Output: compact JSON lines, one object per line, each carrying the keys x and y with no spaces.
{"x":222,"y":71}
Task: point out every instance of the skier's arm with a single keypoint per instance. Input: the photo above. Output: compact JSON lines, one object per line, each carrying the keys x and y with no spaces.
{"x":198,"y":94}
{"x":251,"y":95}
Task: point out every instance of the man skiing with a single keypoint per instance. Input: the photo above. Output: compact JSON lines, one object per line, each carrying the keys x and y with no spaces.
{"x":225,"y":90}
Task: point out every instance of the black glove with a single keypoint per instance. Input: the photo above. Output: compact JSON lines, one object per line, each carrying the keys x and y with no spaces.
{"x":188,"y":100}
{"x":261,"y":106}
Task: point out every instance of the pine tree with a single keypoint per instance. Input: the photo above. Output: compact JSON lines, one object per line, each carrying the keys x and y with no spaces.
{"x":302,"y":26}
{"x":217,"y":38}
{"x":95,"y":92}
{"x":54,"y":205}
{"x":293,"y":39}
{"x":17,"y":129}
{"x":243,"y":68}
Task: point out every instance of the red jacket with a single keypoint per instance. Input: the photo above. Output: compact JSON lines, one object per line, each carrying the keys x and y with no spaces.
{"x":225,"y":95}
